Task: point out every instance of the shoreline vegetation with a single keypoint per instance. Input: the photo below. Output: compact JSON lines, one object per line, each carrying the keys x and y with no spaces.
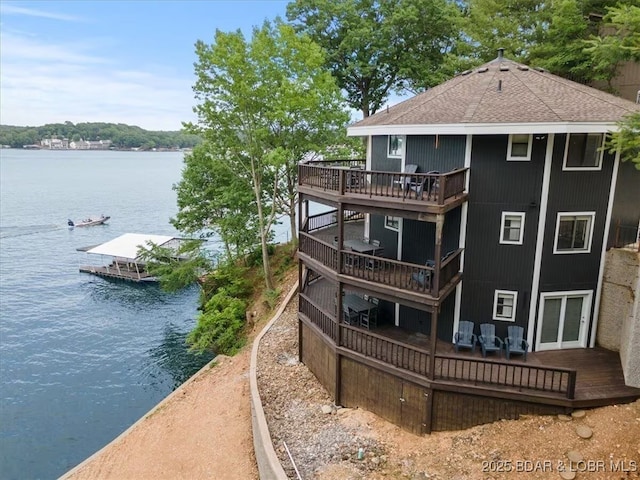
{"x":94,"y":136}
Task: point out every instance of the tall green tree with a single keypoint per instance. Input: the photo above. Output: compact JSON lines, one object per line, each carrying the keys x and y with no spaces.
{"x":376,"y":47}
{"x":262,"y":103}
{"x":215,"y":198}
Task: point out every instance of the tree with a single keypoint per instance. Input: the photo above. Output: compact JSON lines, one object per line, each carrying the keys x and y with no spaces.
{"x":262,"y":105}
{"x":627,"y":139}
{"x":620,"y":41}
{"x":375,"y":47}
{"x":213,"y":197}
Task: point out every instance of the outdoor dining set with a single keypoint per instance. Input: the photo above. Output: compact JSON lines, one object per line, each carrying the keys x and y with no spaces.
{"x":360,"y":311}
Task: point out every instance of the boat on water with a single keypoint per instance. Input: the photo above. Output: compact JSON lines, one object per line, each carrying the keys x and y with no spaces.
{"x":89,"y":221}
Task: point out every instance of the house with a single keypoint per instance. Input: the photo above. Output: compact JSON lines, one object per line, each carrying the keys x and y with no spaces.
{"x":490,"y":199}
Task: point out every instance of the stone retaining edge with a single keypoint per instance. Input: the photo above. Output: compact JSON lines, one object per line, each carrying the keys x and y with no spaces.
{"x":269,"y":466}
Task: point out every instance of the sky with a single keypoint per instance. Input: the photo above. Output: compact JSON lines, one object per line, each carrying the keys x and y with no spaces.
{"x":111,"y":61}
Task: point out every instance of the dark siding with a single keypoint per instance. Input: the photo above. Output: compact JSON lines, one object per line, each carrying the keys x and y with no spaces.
{"x":497,"y":185}
{"x":422,"y":151}
{"x":379,"y":159}
{"x":626,"y":204}
{"x":574,"y":191}
{"x":420,"y":321}
{"x":449,"y":154}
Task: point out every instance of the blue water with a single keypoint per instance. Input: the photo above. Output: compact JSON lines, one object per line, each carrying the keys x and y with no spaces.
{"x":81,"y":357}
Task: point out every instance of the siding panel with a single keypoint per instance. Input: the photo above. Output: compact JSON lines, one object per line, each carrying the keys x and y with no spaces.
{"x":497,"y":185}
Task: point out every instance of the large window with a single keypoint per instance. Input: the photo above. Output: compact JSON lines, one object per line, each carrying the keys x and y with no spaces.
{"x":512,"y":228}
{"x":504,"y":305}
{"x":574,"y":232}
{"x":583,"y":151}
{"x":395,"y":145}
{"x":519,"y":147}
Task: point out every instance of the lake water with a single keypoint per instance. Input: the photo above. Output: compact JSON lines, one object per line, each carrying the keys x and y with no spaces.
{"x":81,"y":357}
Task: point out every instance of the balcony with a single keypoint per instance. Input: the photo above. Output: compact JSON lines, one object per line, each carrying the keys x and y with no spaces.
{"x":347,"y":182}
{"x":421,"y":284}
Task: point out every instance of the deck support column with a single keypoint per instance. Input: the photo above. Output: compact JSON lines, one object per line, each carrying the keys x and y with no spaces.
{"x":435,"y":288}
{"x":338,"y":367}
{"x":434,"y":341}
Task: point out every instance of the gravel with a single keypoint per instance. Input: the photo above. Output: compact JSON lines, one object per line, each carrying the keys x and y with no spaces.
{"x":295,"y":405}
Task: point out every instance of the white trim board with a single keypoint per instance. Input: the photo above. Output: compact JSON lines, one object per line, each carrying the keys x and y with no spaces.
{"x":537,"y":262}
{"x":483,"y":128}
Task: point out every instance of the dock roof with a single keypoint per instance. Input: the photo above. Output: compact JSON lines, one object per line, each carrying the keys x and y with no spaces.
{"x":129,"y":244}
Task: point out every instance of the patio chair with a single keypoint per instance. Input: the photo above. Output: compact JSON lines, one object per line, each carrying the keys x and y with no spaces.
{"x":405,"y":181}
{"x":418,"y":187}
{"x":488,"y":340}
{"x":423,"y":276}
{"x":515,"y":343}
{"x":350,"y":316}
{"x":433,"y":184}
{"x":369,"y":318}
{"x":464,"y":337}
{"x":371,"y":263}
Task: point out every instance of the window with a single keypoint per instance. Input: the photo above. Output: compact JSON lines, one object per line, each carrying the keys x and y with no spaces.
{"x":574,"y":232}
{"x":395,"y":145}
{"x":583,"y":152}
{"x":504,"y":305}
{"x":512,"y":228}
{"x":392,"y":223}
{"x":519,"y":147}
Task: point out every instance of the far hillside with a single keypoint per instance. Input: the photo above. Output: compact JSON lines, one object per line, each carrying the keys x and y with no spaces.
{"x":116,"y":136}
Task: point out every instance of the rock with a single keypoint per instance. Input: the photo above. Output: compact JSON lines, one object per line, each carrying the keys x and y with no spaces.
{"x":583,"y":431}
{"x":326,"y":409}
{"x":342,"y":411}
{"x":578,"y":413}
{"x":375,"y":460}
{"x":574,"y":456}
{"x":564,"y":418}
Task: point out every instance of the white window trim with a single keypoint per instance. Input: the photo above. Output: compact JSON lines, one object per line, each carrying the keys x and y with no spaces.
{"x":560,"y":215}
{"x":391,"y":228}
{"x":582,"y":169}
{"x":400,"y":154}
{"x":511,"y":158}
{"x":512,"y":214}
{"x":495,"y":305}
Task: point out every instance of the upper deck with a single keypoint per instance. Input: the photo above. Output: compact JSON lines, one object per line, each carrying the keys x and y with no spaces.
{"x":417,"y":195}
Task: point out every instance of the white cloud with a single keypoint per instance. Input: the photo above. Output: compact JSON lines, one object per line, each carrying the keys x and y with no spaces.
{"x":45,"y":83}
{"x":6,"y":9}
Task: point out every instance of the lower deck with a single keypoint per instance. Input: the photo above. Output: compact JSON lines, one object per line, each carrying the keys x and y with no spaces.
{"x":118,"y":271}
{"x":574,"y":378}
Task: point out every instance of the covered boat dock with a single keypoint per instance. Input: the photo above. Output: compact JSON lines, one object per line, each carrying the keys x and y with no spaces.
{"x":126,"y":262}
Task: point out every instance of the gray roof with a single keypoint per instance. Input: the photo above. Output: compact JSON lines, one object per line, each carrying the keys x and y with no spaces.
{"x":504,"y":92}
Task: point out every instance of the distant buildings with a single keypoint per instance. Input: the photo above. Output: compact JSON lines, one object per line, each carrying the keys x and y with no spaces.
{"x":65,"y":144}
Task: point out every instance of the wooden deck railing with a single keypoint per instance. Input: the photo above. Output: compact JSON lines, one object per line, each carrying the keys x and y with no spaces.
{"x":322,"y":319}
{"x":465,"y":371}
{"x":319,"y":250}
{"x":343,"y":180}
{"x":385,"y":349}
{"x":386,"y":271}
{"x":330,"y":219}
{"x":514,"y":375}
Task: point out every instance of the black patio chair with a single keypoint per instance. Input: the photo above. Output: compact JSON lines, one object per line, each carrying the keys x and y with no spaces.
{"x":488,"y":340}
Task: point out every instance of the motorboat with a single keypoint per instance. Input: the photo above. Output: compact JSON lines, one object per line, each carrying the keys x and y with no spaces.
{"x":89,"y":221}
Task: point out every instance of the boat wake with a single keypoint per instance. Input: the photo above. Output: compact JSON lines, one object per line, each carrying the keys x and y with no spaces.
{"x":10,"y":232}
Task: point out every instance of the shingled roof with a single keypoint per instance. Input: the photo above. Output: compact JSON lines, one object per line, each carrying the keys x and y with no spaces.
{"x":501,"y":93}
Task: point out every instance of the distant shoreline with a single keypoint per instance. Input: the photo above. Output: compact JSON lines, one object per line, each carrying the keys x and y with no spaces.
{"x":38,"y":148}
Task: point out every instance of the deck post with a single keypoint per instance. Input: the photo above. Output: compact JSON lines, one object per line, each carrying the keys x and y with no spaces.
{"x":434,"y":341}
{"x":435,"y":288}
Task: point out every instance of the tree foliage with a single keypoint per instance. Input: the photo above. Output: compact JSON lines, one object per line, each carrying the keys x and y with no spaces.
{"x":216,"y":199}
{"x":376,"y":47}
{"x":263,"y":105}
{"x":122,"y":136}
{"x":627,"y":139}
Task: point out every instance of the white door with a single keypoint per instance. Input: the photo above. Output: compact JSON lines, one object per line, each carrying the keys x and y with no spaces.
{"x":563,"y":320}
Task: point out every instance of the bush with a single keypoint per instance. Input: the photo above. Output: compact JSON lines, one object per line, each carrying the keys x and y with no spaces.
{"x":220,"y":326}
